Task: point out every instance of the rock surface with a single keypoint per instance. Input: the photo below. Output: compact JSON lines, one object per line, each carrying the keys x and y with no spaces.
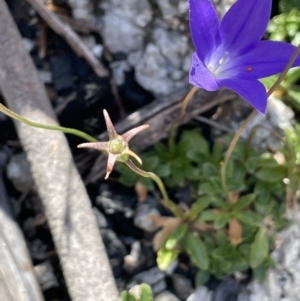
{"x":18,"y":171}
{"x":282,"y":283}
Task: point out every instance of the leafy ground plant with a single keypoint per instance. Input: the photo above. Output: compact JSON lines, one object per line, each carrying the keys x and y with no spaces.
{"x":286,"y":27}
{"x":223,"y":236}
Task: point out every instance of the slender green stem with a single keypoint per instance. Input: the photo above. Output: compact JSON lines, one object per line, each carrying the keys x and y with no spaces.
{"x":249,"y":118}
{"x":166,"y":200}
{"x":230,"y":150}
{"x":184,"y":105}
{"x":22,"y":119}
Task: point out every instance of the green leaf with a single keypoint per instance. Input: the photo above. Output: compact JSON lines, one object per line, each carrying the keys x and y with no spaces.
{"x":209,"y":169}
{"x":208,"y":215}
{"x":161,"y":150}
{"x":249,"y":218}
{"x":221,"y":220}
{"x":217,"y":152}
{"x":166,"y":257}
{"x":126,"y":296}
{"x":271,"y":175}
{"x":245,"y":249}
{"x":220,"y":252}
{"x":146,"y":292}
{"x":213,"y":186}
{"x":163,"y":170}
{"x":193,"y":140}
{"x":176,"y":236}
{"x":197,"y":251}
{"x":236,"y":185}
{"x":201,"y":278}
{"x":287,"y":6}
{"x":265,"y":206}
{"x":265,"y":161}
{"x":206,"y":188}
{"x":260,"y":273}
{"x":201,"y":204}
{"x":293,"y":96}
{"x":259,"y":248}
{"x":222,"y":238}
{"x":244,"y":201}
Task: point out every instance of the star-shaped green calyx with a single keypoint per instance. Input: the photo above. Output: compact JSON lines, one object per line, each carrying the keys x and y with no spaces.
{"x":117,"y":145}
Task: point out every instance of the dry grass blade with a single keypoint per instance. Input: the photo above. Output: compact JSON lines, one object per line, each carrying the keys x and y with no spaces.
{"x":235,"y":232}
{"x":162,"y":235}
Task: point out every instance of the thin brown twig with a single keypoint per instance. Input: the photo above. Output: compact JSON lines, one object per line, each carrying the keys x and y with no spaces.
{"x":214,"y":124}
{"x":70,"y":36}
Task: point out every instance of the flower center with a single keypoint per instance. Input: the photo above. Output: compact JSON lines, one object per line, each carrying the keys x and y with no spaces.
{"x":116,"y":145}
{"x":216,"y":68}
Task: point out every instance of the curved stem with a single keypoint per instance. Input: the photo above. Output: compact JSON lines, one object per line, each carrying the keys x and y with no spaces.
{"x":249,"y":118}
{"x":22,"y":119}
{"x":166,"y":200}
{"x":231,"y":149}
{"x":184,"y":105}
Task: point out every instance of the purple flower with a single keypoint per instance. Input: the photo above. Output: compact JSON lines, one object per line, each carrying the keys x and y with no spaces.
{"x":230,"y":52}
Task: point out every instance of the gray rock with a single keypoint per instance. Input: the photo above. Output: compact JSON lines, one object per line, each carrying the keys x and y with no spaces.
{"x":91,"y":43}
{"x":227,"y":290}
{"x":283,"y":280}
{"x":100,"y":218}
{"x":18,"y":171}
{"x":151,"y":71}
{"x":154,"y":277}
{"x":29,"y":44}
{"x":201,"y":293}
{"x":141,"y":220}
{"x":45,"y":275}
{"x":123,"y":24}
{"x":166,"y":296}
{"x":278,"y":117}
{"x":182,"y":286}
{"x":133,"y":260}
{"x":45,"y":76}
{"x":113,"y":203}
{"x":164,"y":64}
{"x":82,"y":9}
{"x":172,"y":45}
{"x":173,"y":9}
{"x":114,"y":249}
{"x":118,"y":71}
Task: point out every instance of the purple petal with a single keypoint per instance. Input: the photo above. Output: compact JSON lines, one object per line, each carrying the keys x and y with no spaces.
{"x":252,"y":91}
{"x":244,"y":24}
{"x":204,"y":25}
{"x":201,"y":77}
{"x":267,"y":59}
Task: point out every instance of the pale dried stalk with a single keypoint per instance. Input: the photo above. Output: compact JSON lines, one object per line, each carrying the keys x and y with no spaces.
{"x":67,"y":206}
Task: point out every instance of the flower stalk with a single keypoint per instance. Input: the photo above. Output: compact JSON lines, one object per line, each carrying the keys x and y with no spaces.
{"x":177,"y":212}
{"x":176,"y":122}
{"x":26,"y":121}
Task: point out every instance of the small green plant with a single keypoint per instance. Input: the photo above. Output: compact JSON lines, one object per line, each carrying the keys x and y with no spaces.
{"x":222,"y":236}
{"x":291,"y":152}
{"x":174,"y":167}
{"x":287,"y":5}
{"x":142,"y":292}
{"x":286,"y":27}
